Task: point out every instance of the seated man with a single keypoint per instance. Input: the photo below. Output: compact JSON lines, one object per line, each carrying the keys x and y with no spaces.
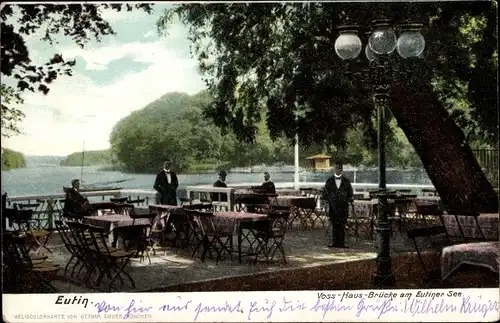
{"x":221,"y":182}
{"x":75,"y":202}
{"x":268,"y":186}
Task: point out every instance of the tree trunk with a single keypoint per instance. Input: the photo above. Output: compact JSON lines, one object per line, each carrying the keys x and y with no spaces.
{"x":443,"y":149}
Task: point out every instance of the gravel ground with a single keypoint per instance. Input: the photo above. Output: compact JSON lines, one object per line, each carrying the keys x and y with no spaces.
{"x":173,"y":266}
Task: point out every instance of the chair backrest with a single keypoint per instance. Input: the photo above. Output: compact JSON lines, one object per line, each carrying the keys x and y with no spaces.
{"x":120,"y":200}
{"x":463,"y":212}
{"x":137,"y":201}
{"x":25,"y":206}
{"x":152,"y":216}
{"x":428,"y":208}
{"x":193,"y":223}
{"x":23,"y":218}
{"x":358,"y":196}
{"x":252,"y":199}
{"x":204,"y":220}
{"x":66,"y":235}
{"x":125,"y":209}
{"x":279,"y":221}
{"x":304,"y":203}
{"x":426,"y":231}
{"x":15,"y":251}
{"x":79,"y":232}
{"x":99,"y":237}
{"x":282,"y":208}
{"x":199,"y":207}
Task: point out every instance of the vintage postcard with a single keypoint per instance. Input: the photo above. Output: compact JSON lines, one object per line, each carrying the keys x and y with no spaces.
{"x":250,"y":161}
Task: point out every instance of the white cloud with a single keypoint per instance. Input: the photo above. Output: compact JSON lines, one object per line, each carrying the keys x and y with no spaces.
{"x":111,"y":15}
{"x":54,"y":122}
{"x":149,"y":34}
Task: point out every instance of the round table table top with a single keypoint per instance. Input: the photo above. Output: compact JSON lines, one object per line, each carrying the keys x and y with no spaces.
{"x":240,"y":215}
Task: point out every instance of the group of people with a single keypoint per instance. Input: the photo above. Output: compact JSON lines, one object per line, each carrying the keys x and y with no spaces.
{"x":166,"y":184}
{"x":338,"y":193}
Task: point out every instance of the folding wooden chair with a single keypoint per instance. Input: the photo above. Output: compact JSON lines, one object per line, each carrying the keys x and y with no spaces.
{"x":249,"y":202}
{"x":37,"y":238}
{"x":119,"y":200}
{"x":319,"y":213}
{"x":303,"y":210}
{"x":83,"y":242}
{"x":271,"y":236}
{"x":430,"y":214}
{"x":185,"y":201}
{"x":429,"y":232}
{"x":22,"y":273}
{"x":398,"y":210}
{"x":213,"y":239}
{"x":36,"y":208}
{"x":112,"y":261}
{"x":143,"y":234}
{"x":76,"y":260}
{"x":196,"y":235}
{"x":474,"y":215}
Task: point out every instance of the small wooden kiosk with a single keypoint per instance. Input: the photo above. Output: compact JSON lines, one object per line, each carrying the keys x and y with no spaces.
{"x":320,"y":162}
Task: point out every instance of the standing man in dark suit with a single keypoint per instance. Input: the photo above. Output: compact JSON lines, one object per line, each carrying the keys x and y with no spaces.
{"x":338,"y":192}
{"x":166,"y":184}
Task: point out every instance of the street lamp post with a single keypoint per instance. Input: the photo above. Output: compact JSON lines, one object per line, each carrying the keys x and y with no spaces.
{"x":381,"y":44}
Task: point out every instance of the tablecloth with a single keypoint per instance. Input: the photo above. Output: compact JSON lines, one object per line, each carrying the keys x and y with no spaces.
{"x":483,"y":254}
{"x":231,"y":220}
{"x":287,"y":200}
{"x":112,"y":221}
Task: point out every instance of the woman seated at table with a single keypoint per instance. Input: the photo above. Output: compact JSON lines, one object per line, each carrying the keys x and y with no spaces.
{"x":75,"y":202}
{"x":268,"y":186}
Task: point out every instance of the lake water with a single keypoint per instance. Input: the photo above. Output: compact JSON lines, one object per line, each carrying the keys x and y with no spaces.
{"x":38,"y":180}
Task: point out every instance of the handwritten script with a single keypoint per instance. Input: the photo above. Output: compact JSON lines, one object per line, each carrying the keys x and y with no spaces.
{"x":362,"y":305}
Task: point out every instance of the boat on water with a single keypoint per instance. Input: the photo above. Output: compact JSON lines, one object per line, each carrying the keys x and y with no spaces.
{"x":102,"y":188}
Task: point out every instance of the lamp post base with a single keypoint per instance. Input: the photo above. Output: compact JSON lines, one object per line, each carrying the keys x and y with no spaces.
{"x":383,"y":277}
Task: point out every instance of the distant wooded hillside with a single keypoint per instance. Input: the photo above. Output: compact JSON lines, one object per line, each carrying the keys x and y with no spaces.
{"x":12,"y":159}
{"x":91,"y":158}
{"x":175,"y":126}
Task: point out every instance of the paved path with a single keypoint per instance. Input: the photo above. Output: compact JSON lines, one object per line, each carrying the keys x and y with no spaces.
{"x":172,"y":266}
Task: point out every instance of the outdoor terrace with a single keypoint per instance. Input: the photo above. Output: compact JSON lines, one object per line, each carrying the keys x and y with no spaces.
{"x":310,"y":265}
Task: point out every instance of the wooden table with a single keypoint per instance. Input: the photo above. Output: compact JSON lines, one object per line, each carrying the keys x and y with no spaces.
{"x":481,"y":254}
{"x":288,"y":200}
{"x":234,"y":221}
{"x":112,"y":221}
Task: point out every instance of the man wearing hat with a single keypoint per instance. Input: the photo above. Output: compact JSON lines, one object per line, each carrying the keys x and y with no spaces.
{"x":166,"y":184}
{"x":221,"y":182}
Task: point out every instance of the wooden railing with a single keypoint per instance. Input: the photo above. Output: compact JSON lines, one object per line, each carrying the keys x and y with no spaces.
{"x":47,"y":208}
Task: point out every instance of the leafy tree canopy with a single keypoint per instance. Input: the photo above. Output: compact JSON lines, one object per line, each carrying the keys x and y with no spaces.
{"x":280,"y":58}
{"x":173,"y":126}
{"x":12,"y":159}
{"x":80,"y":22}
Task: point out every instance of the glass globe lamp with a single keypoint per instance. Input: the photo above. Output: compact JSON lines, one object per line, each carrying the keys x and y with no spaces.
{"x":348,"y":45}
{"x":410,"y":43}
{"x":382,"y":40}
{"x":370,"y":55}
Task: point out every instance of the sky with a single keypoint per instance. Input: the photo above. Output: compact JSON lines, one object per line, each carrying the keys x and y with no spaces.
{"x":111,"y":79}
